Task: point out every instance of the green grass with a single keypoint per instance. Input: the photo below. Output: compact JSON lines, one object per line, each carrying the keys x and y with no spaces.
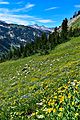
{"x":76,"y":24}
{"x":42,"y":87}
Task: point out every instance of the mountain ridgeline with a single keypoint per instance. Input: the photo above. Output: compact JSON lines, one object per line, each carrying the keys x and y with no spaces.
{"x":14,"y":35}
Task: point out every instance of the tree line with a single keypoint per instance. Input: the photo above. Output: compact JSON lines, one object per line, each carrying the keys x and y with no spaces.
{"x":76,"y":14}
{"x":42,"y":45}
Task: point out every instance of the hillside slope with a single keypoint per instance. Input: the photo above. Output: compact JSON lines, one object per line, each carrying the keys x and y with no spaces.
{"x":75,"y":22}
{"x":42,"y":87}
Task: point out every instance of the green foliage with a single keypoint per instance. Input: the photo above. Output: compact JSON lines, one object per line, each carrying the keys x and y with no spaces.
{"x":76,"y":24}
{"x":76,"y":32}
{"x":70,"y":33}
{"x":64,"y":32}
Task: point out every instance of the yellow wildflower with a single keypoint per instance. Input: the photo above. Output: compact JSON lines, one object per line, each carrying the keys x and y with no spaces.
{"x":68,"y":82}
{"x":33,"y":114}
{"x":76,"y":87}
{"x":53,"y":102}
{"x":63,"y":91}
{"x":61,"y":99}
{"x":54,"y":110}
{"x":49,"y":103}
{"x":76,"y":114}
{"x":73,"y":103}
{"x":60,"y":114}
{"x":61,"y":109}
{"x":46,"y":87}
{"x":78,"y":82}
{"x":75,"y":81}
{"x":66,"y":87}
{"x":55,"y":97}
{"x":69,"y":95}
{"x":59,"y":91}
{"x":49,"y":110}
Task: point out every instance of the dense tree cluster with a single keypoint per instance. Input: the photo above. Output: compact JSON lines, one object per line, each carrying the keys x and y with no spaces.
{"x":76,"y":14}
{"x":43,"y":44}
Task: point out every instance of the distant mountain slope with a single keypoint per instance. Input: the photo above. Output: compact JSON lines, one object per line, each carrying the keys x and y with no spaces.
{"x":12,"y":34}
{"x":74,"y":22}
{"x":43,"y":87}
{"x":42,"y":28}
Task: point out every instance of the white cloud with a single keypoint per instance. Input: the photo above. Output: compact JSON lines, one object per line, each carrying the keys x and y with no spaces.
{"x":19,"y":2}
{"x":13,"y":19}
{"x":51,"y":8}
{"x":44,"y":21}
{"x":4,"y":10}
{"x":23,"y":19}
{"x":29,"y":6}
{"x":10,"y":16}
{"x":26,"y":7}
{"x":4,"y":2}
{"x":77,"y":6}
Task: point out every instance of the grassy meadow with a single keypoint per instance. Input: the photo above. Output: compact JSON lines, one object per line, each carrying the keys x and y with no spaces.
{"x":43,"y":87}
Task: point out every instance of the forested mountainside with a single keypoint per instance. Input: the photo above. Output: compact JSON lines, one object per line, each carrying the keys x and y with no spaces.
{"x":14,"y":35}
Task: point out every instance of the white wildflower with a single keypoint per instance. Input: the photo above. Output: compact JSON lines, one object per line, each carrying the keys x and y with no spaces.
{"x":39,"y":103}
{"x":40,"y":116}
{"x":73,"y":83}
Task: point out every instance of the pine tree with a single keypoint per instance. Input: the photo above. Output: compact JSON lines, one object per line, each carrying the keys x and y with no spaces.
{"x":64,"y":32}
{"x":79,"y":12}
{"x":43,"y":44}
{"x":10,"y":54}
{"x":51,"y":41}
{"x":37,"y":44}
{"x":70,"y":33}
{"x":56,"y":36}
{"x":21,"y":48}
{"x":18,"y":53}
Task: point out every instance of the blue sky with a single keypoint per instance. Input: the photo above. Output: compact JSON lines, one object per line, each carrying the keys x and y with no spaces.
{"x":42,"y":12}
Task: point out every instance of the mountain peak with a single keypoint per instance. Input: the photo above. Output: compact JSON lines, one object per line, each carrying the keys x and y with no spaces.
{"x":42,"y":28}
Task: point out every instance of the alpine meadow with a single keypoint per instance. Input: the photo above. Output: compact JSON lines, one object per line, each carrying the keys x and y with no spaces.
{"x":39,"y":64}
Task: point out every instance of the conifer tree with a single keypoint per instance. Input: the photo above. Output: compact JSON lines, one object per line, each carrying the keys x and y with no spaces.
{"x":70,"y":33}
{"x":64,"y":32}
{"x":56,"y":36}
